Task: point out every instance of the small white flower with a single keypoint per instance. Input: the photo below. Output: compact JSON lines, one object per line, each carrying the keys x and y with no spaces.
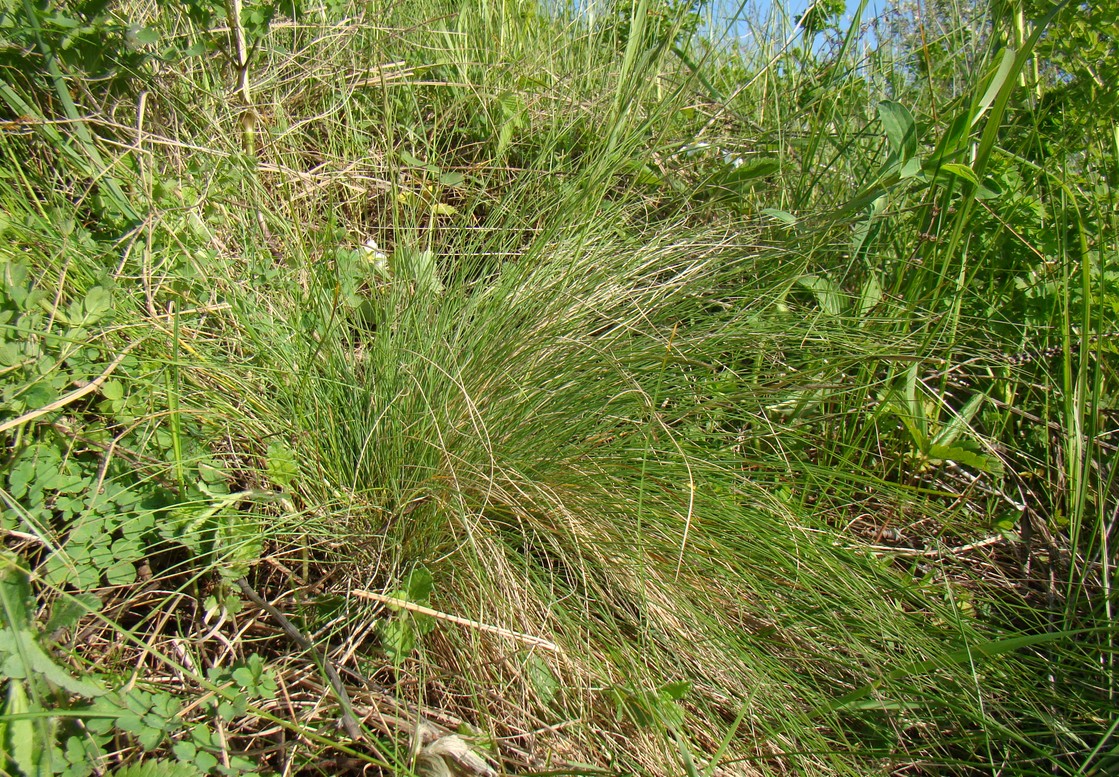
{"x":373,"y":251}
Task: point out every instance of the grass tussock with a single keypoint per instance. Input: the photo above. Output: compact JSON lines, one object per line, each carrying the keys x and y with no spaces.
{"x":420,"y":388}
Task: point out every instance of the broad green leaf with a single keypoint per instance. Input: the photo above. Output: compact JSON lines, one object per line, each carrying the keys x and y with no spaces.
{"x":150,"y":737}
{"x":68,"y":610}
{"x":745,"y":176}
{"x":282,"y":467}
{"x":97,"y":302}
{"x":952,"y":143}
{"x":244,"y":677}
{"x":398,"y":638}
{"x":645,"y":175}
{"x":676,"y":691}
{"x":120,"y":573}
{"x":998,"y":80}
{"x":12,"y":664}
{"x":22,"y":745}
{"x":419,"y":267}
{"x":418,"y":586}
{"x":145,"y":36}
{"x":185,"y":767}
{"x":1006,"y":81}
{"x":780,"y":215}
{"x":541,"y":678}
{"x":896,"y":402}
{"x":240,"y":543}
{"x":505,"y":138}
{"x":827,"y":293}
{"x":452,"y":178}
{"x":16,"y":601}
{"x":113,"y":390}
{"x":916,"y":405}
{"x":981,"y":461}
{"x":865,"y":228}
{"x":42,"y":663}
{"x":906,"y":403}
{"x":874,"y":704}
{"x":960,"y":422}
{"x":206,"y":761}
{"x":900,"y":129}
{"x":960,"y":171}
{"x":870,"y":296}
{"x":989,"y":189}
{"x":670,"y":713}
{"x":513,"y":118}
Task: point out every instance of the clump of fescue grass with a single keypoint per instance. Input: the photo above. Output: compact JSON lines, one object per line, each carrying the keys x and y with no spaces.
{"x":599,"y":412}
{"x":527,"y":438}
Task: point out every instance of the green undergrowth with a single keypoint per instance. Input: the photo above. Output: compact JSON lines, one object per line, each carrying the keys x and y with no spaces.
{"x":441,"y":389}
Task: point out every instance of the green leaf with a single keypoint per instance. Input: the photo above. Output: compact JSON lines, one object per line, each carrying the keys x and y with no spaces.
{"x":23,"y":745}
{"x":146,"y":36}
{"x":398,"y":638}
{"x":989,"y":189}
{"x":243,"y":676}
{"x":206,"y":761}
{"x":240,"y":541}
{"x":184,"y":750}
{"x":16,"y":601}
{"x":453,"y":178}
{"x":68,"y":610}
{"x":112,"y":390}
{"x":780,"y":215}
{"x":121,"y":573}
{"x":230,"y":710}
{"x":419,"y":267}
{"x":80,"y":753}
{"x":418,"y":586}
{"x":745,"y":176}
{"x":41,"y":662}
{"x":505,"y":138}
{"x":904,"y":404}
{"x":131,"y":723}
{"x":163,"y":768}
{"x":670,"y":713}
{"x":97,"y":302}
{"x":952,"y":144}
{"x":901,"y":130}
{"x":960,"y":421}
{"x":998,"y":80}
{"x":541,"y":678}
{"x":981,"y":461}
{"x":676,"y":691}
{"x":150,"y":737}
{"x":871,"y":295}
{"x":960,"y":171}
{"x":282,"y":466}
{"x":11,"y":662}
{"x":827,"y":293}
{"x":916,"y":404}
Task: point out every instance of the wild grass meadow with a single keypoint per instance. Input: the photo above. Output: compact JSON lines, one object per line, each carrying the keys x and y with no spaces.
{"x":511,"y":387}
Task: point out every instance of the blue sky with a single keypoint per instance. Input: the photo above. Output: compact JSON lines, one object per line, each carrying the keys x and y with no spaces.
{"x":791,"y":9}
